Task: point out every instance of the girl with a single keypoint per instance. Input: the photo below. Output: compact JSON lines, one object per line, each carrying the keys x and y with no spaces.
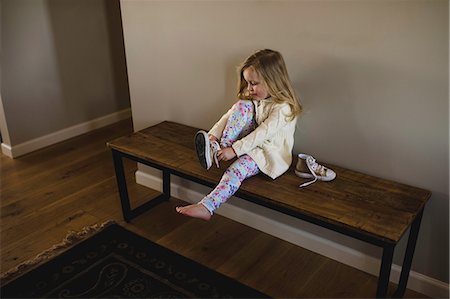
{"x":258,"y":129}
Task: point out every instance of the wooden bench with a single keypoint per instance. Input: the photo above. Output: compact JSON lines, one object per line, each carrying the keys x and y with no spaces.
{"x":367,"y":208}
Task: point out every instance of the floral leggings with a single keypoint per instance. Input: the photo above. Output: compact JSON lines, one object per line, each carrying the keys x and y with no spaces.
{"x":240,"y":123}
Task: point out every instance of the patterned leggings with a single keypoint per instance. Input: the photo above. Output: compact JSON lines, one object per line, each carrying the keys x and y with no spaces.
{"x":240,"y":123}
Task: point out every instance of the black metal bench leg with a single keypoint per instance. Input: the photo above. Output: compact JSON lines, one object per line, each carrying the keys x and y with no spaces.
{"x":412,"y":240}
{"x":166,"y":183}
{"x":122,"y":185}
{"x":127,"y":211}
{"x":385,"y":271}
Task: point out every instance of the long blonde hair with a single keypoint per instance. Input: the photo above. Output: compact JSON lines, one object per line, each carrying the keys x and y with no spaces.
{"x":270,"y":66}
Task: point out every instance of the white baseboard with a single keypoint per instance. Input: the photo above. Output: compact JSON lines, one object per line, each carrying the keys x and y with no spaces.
{"x":263,"y":220}
{"x":64,"y":134}
{"x":6,"y":150}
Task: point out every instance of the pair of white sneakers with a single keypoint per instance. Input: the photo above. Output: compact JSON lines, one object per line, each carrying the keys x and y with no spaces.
{"x":206,"y":150}
{"x":308,"y":168}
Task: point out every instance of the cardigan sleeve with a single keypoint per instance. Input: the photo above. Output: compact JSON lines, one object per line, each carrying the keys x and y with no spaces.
{"x":268,"y":128}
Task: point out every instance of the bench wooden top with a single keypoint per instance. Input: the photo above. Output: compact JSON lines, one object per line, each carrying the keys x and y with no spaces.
{"x":375,"y":207}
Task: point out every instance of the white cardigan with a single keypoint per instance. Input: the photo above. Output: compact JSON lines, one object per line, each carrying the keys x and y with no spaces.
{"x":270,"y":144}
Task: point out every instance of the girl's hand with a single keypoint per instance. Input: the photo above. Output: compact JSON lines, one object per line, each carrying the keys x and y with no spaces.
{"x":226,"y":154}
{"x":213,"y":138}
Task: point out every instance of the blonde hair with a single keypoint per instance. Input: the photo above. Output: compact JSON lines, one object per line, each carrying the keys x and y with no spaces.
{"x":270,"y":66}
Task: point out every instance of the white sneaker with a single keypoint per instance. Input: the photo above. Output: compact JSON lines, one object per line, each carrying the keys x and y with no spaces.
{"x":206,"y":150}
{"x":308,"y":168}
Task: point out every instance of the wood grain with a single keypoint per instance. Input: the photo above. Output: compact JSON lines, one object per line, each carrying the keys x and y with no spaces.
{"x":374,"y":207}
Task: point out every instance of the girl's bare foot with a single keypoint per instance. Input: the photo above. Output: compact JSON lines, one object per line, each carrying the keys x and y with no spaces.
{"x":196,"y":211}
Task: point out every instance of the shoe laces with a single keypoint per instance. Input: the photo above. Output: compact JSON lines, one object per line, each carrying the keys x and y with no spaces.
{"x":315,"y":168}
{"x":215,"y":147}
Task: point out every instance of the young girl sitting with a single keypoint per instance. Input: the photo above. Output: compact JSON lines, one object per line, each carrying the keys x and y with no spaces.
{"x":258,"y":129}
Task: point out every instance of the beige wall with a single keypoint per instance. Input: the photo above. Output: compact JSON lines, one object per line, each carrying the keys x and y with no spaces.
{"x":63,"y":63}
{"x":372,"y":75}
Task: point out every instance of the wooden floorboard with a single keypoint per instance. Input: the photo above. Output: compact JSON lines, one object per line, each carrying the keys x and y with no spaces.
{"x":70,"y":185}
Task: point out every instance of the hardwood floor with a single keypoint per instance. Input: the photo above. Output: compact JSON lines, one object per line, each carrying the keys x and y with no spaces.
{"x":71,"y":185}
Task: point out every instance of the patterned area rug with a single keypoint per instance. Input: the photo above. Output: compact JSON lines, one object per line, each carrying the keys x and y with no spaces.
{"x":117,"y":263}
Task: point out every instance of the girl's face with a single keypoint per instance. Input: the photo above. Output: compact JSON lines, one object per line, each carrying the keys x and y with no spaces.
{"x":256,"y":86}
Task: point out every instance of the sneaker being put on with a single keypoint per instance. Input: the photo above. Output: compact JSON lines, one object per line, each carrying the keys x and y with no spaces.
{"x":206,"y":150}
{"x":308,"y":168}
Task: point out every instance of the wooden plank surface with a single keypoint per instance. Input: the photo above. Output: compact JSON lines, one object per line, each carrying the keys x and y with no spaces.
{"x":354,"y":201}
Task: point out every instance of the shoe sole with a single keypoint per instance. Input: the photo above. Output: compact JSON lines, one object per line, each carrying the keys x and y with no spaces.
{"x":303,"y":175}
{"x":310,"y":176}
{"x":201,"y":144}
